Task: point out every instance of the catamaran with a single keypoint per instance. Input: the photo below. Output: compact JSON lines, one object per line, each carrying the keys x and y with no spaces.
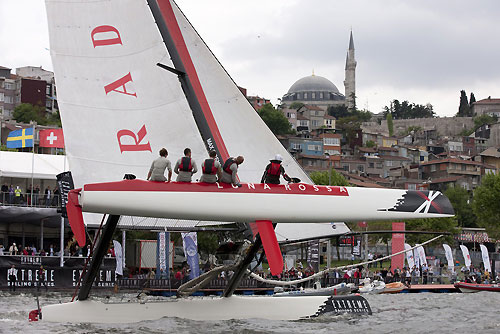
{"x":134,"y":76}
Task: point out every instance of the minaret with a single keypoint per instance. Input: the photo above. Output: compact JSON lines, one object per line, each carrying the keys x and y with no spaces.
{"x":350,"y":75}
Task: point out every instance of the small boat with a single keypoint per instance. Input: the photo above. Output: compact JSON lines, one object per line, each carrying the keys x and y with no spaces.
{"x":317,"y":290}
{"x":395,"y":287}
{"x":474,"y":287}
{"x":374,"y":287}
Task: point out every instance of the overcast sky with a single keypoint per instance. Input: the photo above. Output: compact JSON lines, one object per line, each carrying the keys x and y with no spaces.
{"x":422,"y":51}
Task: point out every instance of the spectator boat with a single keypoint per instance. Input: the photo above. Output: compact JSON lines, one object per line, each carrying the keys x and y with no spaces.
{"x":474,"y":287}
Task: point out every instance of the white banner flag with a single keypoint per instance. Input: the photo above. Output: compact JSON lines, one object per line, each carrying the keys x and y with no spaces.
{"x":409,"y":257}
{"x":119,"y":257}
{"x":416,"y":257}
{"x":449,"y":257}
{"x":421,"y":255}
{"x":466,"y":255}
{"x":486,"y":258}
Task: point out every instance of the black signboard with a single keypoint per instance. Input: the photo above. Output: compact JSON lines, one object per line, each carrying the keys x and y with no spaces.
{"x":55,"y":276}
{"x":65,"y":184}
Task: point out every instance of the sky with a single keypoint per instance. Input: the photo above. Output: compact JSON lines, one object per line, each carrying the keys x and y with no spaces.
{"x":423,"y":51}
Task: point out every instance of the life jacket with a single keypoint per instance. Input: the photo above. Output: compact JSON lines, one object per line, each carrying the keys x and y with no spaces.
{"x":227,"y":166}
{"x":209,"y":167}
{"x":274,"y":169}
{"x":185,"y":164}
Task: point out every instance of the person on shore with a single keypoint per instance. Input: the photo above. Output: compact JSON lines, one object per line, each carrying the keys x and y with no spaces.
{"x":17,"y":193}
{"x":41,"y":278}
{"x":211,"y":169}
{"x":185,"y":167}
{"x":11,"y":194}
{"x":36,"y":193}
{"x":12,"y":274}
{"x":48,"y":196}
{"x":1,"y":249}
{"x":230,"y":170}
{"x":274,"y":170}
{"x":5,"y":193}
{"x":157,"y":169}
{"x":13,"y":249}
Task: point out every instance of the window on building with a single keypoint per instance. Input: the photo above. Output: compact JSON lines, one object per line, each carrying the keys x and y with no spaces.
{"x":310,"y":162}
{"x":412,"y":186}
{"x":389,"y":163}
{"x":48,"y":103}
{"x":379,"y":165}
{"x":371,"y":165}
{"x":18,"y":99}
{"x":331,"y":141}
{"x":314,"y":147}
{"x":48,"y":90}
{"x":464,"y":167}
{"x":433,"y":168}
{"x":1,"y":97}
{"x":305,"y":96}
{"x":299,"y":96}
{"x":304,"y":123}
{"x":10,"y":86}
{"x":9,"y":99}
{"x":332,"y":152}
{"x":296,"y":146}
{"x":292,"y":115}
{"x":321,"y":95}
{"x":361,"y":168}
{"x":315,"y":122}
{"x":313,"y":96}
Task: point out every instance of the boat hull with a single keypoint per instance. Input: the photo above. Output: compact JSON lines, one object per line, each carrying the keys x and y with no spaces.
{"x":473,"y":287}
{"x":205,"y":308}
{"x":277,"y":203}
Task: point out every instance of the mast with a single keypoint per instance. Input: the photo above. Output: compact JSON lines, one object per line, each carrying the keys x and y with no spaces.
{"x":184,"y":68}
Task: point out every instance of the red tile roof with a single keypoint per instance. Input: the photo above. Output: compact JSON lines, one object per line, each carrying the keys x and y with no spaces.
{"x":488,"y":101}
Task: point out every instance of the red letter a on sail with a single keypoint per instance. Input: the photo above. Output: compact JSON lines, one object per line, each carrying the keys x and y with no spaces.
{"x":120,"y":83}
{"x":112,"y":31}
{"x":138,"y":146}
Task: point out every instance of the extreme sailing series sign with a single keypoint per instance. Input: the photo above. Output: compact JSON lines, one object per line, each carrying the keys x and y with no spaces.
{"x":54,"y":276}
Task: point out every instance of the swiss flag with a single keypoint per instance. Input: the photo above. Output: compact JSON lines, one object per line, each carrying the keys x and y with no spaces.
{"x":51,"y":138}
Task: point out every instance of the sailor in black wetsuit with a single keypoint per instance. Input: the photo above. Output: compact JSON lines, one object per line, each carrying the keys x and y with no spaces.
{"x":274,"y":170}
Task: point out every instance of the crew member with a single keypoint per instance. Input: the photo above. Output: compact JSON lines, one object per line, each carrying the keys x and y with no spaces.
{"x":230,"y":170}
{"x":12,"y":274}
{"x":41,"y":278}
{"x":157,"y":170}
{"x":185,"y":167}
{"x":273,"y":171}
{"x":211,"y":169}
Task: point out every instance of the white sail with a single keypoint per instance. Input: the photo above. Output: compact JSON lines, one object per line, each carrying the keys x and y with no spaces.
{"x":118,"y":108}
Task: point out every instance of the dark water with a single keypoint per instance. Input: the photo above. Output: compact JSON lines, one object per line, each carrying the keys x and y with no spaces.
{"x":399,"y":313}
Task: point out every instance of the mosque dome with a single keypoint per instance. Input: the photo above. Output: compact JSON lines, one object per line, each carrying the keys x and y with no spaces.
{"x":313,"y":83}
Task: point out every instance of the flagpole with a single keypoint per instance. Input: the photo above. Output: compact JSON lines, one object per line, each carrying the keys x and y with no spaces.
{"x":33,"y":163}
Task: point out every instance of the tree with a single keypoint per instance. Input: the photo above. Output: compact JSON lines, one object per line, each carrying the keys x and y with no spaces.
{"x":462,"y":204}
{"x":370,"y":143}
{"x":464,"y":109}
{"x":338,"y":111}
{"x":350,"y":126}
{"x":390,"y":125}
{"x":275,"y":120}
{"x":449,"y":224}
{"x":25,"y":112}
{"x":471,"y":102}
{"x":486,"y":204}
{"x":321,"y":178}
{"x":484,"y":119}
{"x":406,"y":110}
{"x":296,"y":105}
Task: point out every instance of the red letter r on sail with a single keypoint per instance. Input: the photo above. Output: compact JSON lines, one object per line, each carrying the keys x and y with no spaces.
{"x":138,"y":146}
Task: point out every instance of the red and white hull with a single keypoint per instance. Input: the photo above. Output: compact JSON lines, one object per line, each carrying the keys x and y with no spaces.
{"x":473,"y":287}
{"x":294,"y":203}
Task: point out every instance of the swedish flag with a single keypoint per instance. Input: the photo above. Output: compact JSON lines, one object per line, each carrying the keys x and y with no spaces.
{"x":20,"y":138}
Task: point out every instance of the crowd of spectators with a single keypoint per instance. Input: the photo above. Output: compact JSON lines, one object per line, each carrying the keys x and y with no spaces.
{"x":14,"y":195}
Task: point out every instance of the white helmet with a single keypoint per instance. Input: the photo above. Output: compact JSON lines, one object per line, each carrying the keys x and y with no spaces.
{"x":278,"y":157}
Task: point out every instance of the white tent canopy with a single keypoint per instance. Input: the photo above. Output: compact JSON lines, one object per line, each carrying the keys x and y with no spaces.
{"x":26,"y":165}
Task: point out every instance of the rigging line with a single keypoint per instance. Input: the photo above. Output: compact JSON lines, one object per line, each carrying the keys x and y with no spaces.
{"x":321,"y":273}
